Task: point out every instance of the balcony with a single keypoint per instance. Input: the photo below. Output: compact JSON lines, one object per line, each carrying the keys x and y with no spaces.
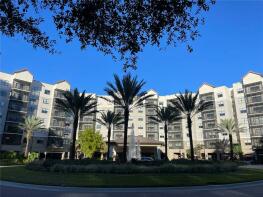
{"x":255,"y":100}
{"x":59,"y":114}
{"x":255,"y":89}
{"x":14,"y":119}
{"x":17,"y":108}
{"x":19,"y":98}
{"x":60,"y":125}
{"x":22,"y":88}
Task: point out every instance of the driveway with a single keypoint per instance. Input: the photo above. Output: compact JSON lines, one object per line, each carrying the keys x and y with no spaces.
{"x":252,"y":189}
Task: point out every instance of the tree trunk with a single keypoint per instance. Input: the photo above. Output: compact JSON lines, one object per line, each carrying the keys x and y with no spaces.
{"x":126,"y":121}
{"x":109,"y":134}
{"x":231,"y":147}
{"x":165,"y":141}
{"x":189,"y":124}
{"x":27,"y":146}
{"x":26,"y":149}
{"x":73,"y":148}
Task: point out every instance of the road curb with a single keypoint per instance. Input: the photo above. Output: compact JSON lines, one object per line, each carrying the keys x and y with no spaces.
{"x":129,"y":190}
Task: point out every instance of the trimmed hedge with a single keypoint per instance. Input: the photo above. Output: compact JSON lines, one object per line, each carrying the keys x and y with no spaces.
{"x":14,"y":158}
{"x":133,"y":168}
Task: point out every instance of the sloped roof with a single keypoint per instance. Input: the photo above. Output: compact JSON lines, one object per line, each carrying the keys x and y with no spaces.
{"x":61,"y":81}
{"x":252,"y":72}
{"x":22,"y":70}
{"x":207,"y":85}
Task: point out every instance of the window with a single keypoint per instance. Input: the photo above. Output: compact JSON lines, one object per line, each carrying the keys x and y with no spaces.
{"x":240,"y":91}
{"x":160,"y":103}
{"x":222,"y":114}
{"x":140,"y":119}
{"x":46,"y":101}
{"x":118,"y":135}
{"x":161,"y":127}
{"x":47,"y":92}
{"x":257,"y":131}
{"x":40,"y":142}
{"x":98,"y":126}
{"x":44,"y":111}
{"x":256,"y":109}
{"x":254,"y":88}
{"x":221,"y":104}
{"x":151,"y":136}
{"x":242,"y":111}
{"x":200,"y":126}
{"x":161,"y":136}
{"x":219,"y":95}
{"x":255,"y":99}
{"x":258,"y":120}
{"x":140,"y":127}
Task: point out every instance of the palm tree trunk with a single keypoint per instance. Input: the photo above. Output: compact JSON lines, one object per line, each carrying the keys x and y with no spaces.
{"x":126,"y":121}
{"x":72,"y":148}
{"x":26,"y":149}
{"x":165,"y":141}
{"x":109,"y":134}
{"x":189,"y":124}
{"x":231,"y":147}
{"x":27,"y":145}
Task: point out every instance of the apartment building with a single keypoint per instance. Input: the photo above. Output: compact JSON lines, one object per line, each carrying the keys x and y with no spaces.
{"x":21,"y":95}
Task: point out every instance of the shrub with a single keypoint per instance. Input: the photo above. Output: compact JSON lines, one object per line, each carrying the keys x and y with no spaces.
{"x":31,"y":157}
{"x":8,"y":155}
{"x":134,"y":169}
{"x":11,"y":158}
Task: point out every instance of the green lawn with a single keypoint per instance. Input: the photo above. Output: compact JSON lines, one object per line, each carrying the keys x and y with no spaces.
{"x":20,"y":174}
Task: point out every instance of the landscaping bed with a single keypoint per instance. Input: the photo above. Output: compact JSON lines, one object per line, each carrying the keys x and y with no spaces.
{"x":22,"y":175}
{"x":158,"y":167}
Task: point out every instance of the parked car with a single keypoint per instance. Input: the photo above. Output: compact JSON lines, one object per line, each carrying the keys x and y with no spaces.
{"x":147,"y":159}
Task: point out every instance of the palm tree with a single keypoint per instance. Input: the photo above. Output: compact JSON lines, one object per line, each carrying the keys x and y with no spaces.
{"x":31,"y":124}
{"x":229,"y":126}
{"x":127,"y":93}
{"x":77,"y":105}
{"x":188,"y":104}
{"x":165,"y":115}
{"x":221,"y":147}
{"x":110,"y":119}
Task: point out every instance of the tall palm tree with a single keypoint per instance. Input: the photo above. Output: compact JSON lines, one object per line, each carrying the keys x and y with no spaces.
{"x":189,"y":105}
{"x":229,"y":126}
{"x":110,"y":119}
{"x":127,"y":93}
{"x":77,"y":105}
{"x":165,"y":115}
{"x":30,"y":125}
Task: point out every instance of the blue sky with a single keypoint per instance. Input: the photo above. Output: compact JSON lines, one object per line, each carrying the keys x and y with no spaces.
{"x":230,"y":45}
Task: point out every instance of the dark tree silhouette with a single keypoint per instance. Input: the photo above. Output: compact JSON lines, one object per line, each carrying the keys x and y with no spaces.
{"x":77,"y":105}
{"x":119,"y":28}
{"x":165,"y":115}
{"x":110,"y":119}
{"x":126,"y":93}
{"x":188,"y":104}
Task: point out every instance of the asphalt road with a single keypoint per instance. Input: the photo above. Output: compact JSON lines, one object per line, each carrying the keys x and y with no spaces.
{"x":254,"y":189}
